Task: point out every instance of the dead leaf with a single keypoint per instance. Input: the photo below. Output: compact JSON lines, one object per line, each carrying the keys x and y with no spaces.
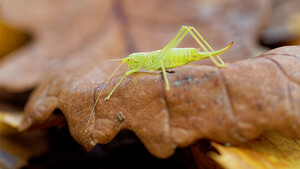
{"x":69,"y":34}
{"x":268,"y":151}
{"x":234,"y":104}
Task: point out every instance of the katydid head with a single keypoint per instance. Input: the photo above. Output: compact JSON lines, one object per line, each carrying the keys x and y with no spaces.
{"x":135,"y":60}
{"x":127,"y":59}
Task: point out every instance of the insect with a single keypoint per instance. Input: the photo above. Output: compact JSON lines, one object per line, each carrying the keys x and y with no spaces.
{"x":169,"y":57}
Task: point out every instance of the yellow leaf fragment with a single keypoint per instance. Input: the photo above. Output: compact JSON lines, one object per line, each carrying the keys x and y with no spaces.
{"x":13,"y":119}
{"x":10,"y":38}
{"x":293,"y":23}
{"x":268,"y":151}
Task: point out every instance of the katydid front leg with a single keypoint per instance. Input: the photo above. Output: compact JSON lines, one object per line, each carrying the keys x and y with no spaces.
{"x":126,"y":74}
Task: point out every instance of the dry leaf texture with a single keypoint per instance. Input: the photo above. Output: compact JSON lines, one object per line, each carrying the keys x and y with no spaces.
{"x":232,"y":104}
{"x":70,"y":33}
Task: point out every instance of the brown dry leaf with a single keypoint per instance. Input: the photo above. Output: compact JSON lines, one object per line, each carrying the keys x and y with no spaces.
{"x":266,"y":152}
{"x":71,"y":33}
{"x":234,"y":104}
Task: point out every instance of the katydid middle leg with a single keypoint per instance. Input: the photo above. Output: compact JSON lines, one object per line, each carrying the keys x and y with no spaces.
{"x":165,"y":75}
{"x":164,"y":52}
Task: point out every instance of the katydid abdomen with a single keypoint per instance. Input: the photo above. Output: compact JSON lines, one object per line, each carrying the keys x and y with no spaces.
{"x":180,"y":56}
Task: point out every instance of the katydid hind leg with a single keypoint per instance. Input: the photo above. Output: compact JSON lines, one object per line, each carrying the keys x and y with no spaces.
{"x":206,"y":43}
{"x":204,"y":48}
{"x":222,"y":64}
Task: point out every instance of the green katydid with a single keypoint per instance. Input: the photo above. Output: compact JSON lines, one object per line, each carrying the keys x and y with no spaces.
{"x":169,"y":57}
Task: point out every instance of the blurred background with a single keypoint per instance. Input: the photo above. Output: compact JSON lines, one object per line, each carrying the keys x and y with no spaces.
{"x":39,"y":38}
